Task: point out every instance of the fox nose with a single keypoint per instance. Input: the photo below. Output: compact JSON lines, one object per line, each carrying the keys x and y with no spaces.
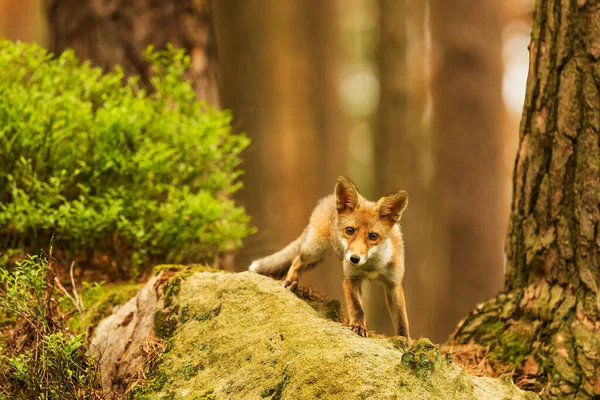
{"x":354,"y":259}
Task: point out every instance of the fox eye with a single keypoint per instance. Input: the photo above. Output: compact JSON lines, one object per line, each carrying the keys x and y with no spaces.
{"x":373,"y":236}
{"x":350,"y":230}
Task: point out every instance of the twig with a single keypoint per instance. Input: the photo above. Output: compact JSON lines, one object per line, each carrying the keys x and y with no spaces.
{"x":75,"y":297}
{"x":65,"y":292}
{"x":79,"y":305}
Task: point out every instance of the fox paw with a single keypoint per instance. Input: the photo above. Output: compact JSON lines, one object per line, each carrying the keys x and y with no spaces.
{"x":291,"y":285}
{"x":360,"y":329}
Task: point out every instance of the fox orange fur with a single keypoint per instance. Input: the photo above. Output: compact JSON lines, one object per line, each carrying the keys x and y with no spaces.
{"x":365,"y":235}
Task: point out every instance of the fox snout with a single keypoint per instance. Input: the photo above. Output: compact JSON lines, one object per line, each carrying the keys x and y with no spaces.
{"x":355,"y":258}
{"x":358,"y":255}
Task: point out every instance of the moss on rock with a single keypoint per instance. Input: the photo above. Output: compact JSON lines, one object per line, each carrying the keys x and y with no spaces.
{"x":99,"y":303}
{"x":183,"y":270}
{"x":165,"y":323}
{"x":244,"y":336}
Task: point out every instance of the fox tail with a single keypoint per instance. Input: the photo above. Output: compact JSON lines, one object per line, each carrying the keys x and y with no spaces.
{"x":276,"y":265}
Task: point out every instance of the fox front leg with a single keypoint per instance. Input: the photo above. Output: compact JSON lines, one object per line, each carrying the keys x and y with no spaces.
{"x":394,"y":296}
{"x":311,"y":253}
{"x":356,"y":315}
{"x":293,"y":274}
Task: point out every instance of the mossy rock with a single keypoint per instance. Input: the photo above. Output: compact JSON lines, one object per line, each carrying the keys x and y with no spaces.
{"x":111,"y":296}
{"x":244,"y":336}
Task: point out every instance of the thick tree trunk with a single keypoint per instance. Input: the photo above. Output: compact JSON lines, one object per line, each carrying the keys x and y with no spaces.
{"x":467,"y":126}
{"x":117,"y":32}
{"x":548,"y":321}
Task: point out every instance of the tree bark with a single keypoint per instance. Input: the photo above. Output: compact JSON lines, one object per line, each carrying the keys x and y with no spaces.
{"x":467,"y":126}
{"x":117,"y":32}
{"x":547,"y":323}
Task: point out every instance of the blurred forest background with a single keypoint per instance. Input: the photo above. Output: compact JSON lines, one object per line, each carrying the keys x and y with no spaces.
{"x":420,"y":95}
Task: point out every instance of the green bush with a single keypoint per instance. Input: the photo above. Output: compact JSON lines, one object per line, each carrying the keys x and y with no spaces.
{"x":111,"y":168}
{"x":42,"y":359}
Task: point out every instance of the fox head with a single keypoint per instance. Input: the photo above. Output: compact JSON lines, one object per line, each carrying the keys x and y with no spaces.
{"x":364,"y":225}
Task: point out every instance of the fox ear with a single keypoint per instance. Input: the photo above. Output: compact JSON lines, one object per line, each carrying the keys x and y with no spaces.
{"x":346,"y":194}
{"x":392,"y":205}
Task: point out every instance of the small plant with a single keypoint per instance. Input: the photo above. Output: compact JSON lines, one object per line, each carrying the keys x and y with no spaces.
{"x":111,"y":169}
{"x":40,"y":358}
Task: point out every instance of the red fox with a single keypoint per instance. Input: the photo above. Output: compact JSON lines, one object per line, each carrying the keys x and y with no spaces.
{"x":365,"y":235}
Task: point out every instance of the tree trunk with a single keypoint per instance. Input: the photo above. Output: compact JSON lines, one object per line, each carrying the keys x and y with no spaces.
{"x":266,"y":76}
{"x":547,"y":322}
{"x":403,"y":148}
{"x":322,"y":25}
{"x":467,"y":126}
{"x":278,"y":63}
{"x":393,"y":148}
{"x":117,"y":32}
{"x":20,"y":20}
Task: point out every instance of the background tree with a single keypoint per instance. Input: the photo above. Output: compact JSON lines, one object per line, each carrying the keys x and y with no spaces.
{"x":278,"y":63}
{"x":117,"y":32}
{"x":402,"y":146}
{"x":546,"y":323}
{"x":467,"y":126}
{"x":20,"y":20}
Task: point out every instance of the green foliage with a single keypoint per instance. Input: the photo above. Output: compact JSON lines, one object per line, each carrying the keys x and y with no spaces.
{"x":43,"y":360}
{"x":109,"y":167}
{"x":22,"y":290}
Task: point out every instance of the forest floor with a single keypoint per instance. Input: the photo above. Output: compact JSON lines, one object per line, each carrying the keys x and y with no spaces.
{"x":479,"y":361}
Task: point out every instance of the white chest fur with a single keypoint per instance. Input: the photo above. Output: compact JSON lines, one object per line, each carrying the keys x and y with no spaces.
{"x":376,"y":266}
